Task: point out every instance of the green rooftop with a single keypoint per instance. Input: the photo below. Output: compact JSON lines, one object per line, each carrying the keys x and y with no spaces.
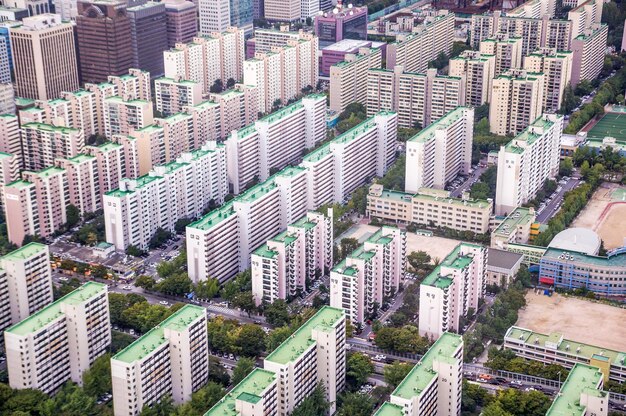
{"x":49,"y":128}
{"x":422,"y":374}
{"x":265,"y":251}
{"x":530,"y":135}
{"x":51,"y":312}
{"x":520,"y":217}
{"x":616,"y":261}
{"x":80,"y":158}
{"x":46,"y":173}
{"x":324,"y":320}
{"x":108,"y":146}
{"x":582,"y":379}
{"x":25,"y":252}
{"x":564,"y":346}
{"x":249,"y":390}
{"x":18,"y":184}
{"x":454,"y":260}
{"x":214,"y":217}
{"x":390,"y":409}
{"x":341,"y":268}
{"x":380,"y":238}
{"x":285,"y":237}
{"x":444,"y":122}
{"x":154,"y":338}
{"x":282,"y":113}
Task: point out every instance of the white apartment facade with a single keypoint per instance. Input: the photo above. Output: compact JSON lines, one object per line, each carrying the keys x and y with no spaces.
{"x":10,"y":136}
{"x":43,"y":143}
{"x":26,"y":283}
{"x":588,"y":53}
{"x":556,"y":67}
{"x":440,"y":152}
{"x":173,"y":95}
{"x":122,"y":115}
{"x":171,"y":359}
{"x":59,"y":342}
{"x":180,"y":189}
{"x":507,"y":51}
{"x":527,"y":161}
{"x":348,"y":77}
{"x":236,"y":109}
{"x":282,"y":266}
{"x":214,"y":15}
{"x":448,"y":292}
{"x":83,"y":182}
{"x":478,"y":71}
{"x":370,"y":275}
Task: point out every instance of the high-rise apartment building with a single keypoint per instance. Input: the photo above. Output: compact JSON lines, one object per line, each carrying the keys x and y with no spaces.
{"x":7,"y":98}
{"x":506,"y":50}
{"x":43,"y":143}
{"x":414,"y":51}
{"x":121,"y":115}
{"x":171,"y":359}
{"x":315,"y":353}
{"x":451,"y":290}
{"x":236,"y":108}
{"x":148,"y":36}
{"x":585,"y":15}
{"x":430,"y":207}
{"x":478,"y":71}
{"x":417,"y":98}
{"x":59,"y":342}
{"x":433,"y":387}
{"x":37,"y":204}
{"x":437,"y":154}
{"x":516,"y":101}
{"x":254,"y":395}
{"x":581,"y":393}
{"x":328,"y":174}
{"x":104,"y":39}
{"x":527,"y":161}
{"x":370,"y":275}
{"x":214,"y":16}
{"x":5,"y":65}
{"x":275,"y":141}
{"x":10,"y":137}
{"x":83,"y":182}
{"x":588,"y":53}
{"x":44,"y":57}
{"x":181,"y":189}
{"x":556,"y":67}
{"x":9,"y":171}
{"x":111,"y":165}
{"x":208,"y":58}
{"x":182,"y":21}
{"x":283,"y":73}
{"x":346,"y":23}
{"x":347,"y":78}
{"x":173,"y":95}
{"x":282,"y":266}
{"x":26,"y":283}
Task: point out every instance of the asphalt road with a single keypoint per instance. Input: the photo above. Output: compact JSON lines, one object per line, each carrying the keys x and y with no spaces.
{"x":465,"y":186}
{"x":553,"y":206}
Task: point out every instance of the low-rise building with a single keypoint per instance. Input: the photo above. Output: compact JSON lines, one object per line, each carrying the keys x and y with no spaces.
{"x":170,"y":359}
{"x":555,"y":349}
{"x":516,"y":228}
{"x":431,"y":207}
{"x":441,"y":151}
{"x":370,"y":275}
{"x":502,"y":266}
{"x":59,"y":342}
{"x":433,"y":386}
{"x":282,"y":266}
{"x":25,"y":283}
{"x":581,"y":394}
{"x":451,"y":290}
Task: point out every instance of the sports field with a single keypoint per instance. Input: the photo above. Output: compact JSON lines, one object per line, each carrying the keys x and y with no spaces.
{"x":611,"y":125}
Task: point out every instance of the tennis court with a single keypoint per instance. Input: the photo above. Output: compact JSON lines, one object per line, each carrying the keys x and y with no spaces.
{"x":611,"y":125}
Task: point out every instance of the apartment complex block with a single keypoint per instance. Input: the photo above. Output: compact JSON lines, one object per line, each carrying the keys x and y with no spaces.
{"x":477,"y":70}
{"x":516,"y":101}
{"x":284,"y":72}
{"x":348,"y":77}
{"x":180,"y":189}
{"x":448,"y":292}
{"x":9,"y":171}
{"x":36,"y":205}
{"x":43,"y":143}
{"x":432,"y":207}
{"x":254,"y":395}
{"x":588,"y":53}
{"x":218,"y":55}
{"x":556,"y":67}
{"x":370,"y":275}
{"x":433,"y":387}
{"x":282,"y":266}
{"x":121,"y":115}
{"x":59,"y":342}
{"x":25,"y":283}
{"x":44,"y":57}
{"x":414,"y":51}
{"x":238,"y":108}
{"x":507,"y":52}
{"x":417,"y":98}
{"x":171,"y":359}
{"x":581,"y":393}
{"x":314,"y":353}
{"x":10,"y":137}
{"x":584,"y":15}
{"x":328,"y":174}
{"x":173,"y":95}
{"x":441,"y":151}
{"x":527,"y":161}
{"x":515,"y":233}
{"x":555,"y":349}
{"x":83,"y":182}
{"x":275,"y":141}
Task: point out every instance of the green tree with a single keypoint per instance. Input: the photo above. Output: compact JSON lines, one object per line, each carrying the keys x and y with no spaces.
{"x":134,"y":251}
{"x":245,"y":302}
{"x":358,"y":368}
{"x":494,"y":409}
{"x":97,"y":379}
{"x":584,"y":87}
{"x":348,"y":245}
{"x":178,"y":284}
{"x":145,"y":281}
{"x":244,"y":367}
{"x":217,"y":87}
{"x":207,"y":289}
{"x":73,"y":215}
{"x":277,"y":313}
{"x":230,"y":83}
{"x":566,"y":167}
{"x":71,"y":400}
{"x":315,"y":404}
{"x":355,"y":404}
{"x":277,"y":337}
{"x":418,"y":260}
{"x":570,"y":100}
{"x":482,"y":127}
{"x":164,"y":407}
{"x":251,"y":340}
{"x":25,"y":400}
{"x":120,"y":340}
{"x":159,"y":238}
{"x":396,"y":372}
{"x":217,"y":372}
{"x":203,"y":399}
